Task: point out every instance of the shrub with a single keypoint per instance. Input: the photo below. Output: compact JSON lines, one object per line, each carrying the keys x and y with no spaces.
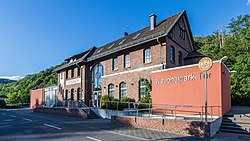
{"x":104,"y":98}
{"x":2,"y":104}
{"x":125,"y":105}
{"x":145,"y":100}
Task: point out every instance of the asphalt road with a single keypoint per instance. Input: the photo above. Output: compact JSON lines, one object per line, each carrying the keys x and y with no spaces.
{"x":24,"y":125}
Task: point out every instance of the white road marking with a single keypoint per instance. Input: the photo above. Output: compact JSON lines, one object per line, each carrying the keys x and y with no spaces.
{"x":3,"y":114}
{"x":94,"y":139}
{"x":53,"y":126}
{"x":27,"y":119}
{"x":9,"y":120}
{"x":118,"y":133}
{"x":12,"y":116}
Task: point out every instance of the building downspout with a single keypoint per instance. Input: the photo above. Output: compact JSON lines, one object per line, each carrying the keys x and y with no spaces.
{"x":81,"y":82}
{"x":161,"y":62}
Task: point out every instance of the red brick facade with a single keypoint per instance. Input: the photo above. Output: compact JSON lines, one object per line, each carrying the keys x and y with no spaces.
{"x":179,"y":37}
{"x":166,"y":125}
{"x":36,"y":98}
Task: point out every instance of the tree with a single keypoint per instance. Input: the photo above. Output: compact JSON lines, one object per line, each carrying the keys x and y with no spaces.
{"x":240,"y":82}
{"x":237,"y":47}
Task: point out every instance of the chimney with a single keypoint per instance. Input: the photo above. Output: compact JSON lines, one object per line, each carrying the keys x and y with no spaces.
{"x":152,"y":21}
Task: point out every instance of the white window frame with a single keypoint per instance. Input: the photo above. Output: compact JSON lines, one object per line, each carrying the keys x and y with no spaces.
{"x":147,"y":55}
{"x":142,"y":87}
{"x":115,"y":63}
{"x":111,"y":89}
{"x":126,"y":60}
{"x":123,"y":90}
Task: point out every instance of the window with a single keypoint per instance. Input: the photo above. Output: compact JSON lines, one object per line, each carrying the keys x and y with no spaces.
{"x":122,"y":41}
{"x":66,"y":95}
{"x":123,"y":90}
{"x":182,"y":33}
{"x":127,"y":60}
{"x":97,"y":73}
{"x":136,"y":36}
{"x":172,"y":54}
{"x":115,"y":63}
{"x":180,"y":58}
{"x":61,"y":75}
{"x":78,"y":71}
{"x":67,"y":74}
{"x":99,"y":50}
{"x":111,"y":89}
{"x":147,"y":55}
{"x":142,"y":88}
{"x":78,"y":94}
{"x":72,"y":94}
{"x":111,"y":46}
{"x":72,"y":73}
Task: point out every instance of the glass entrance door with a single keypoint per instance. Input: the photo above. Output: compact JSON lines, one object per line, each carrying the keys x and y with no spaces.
{"x":96,"y":98}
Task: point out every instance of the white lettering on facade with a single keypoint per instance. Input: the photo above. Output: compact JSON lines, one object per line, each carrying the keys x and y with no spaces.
{"x":73,"y":81}
{"x":177,"y":79}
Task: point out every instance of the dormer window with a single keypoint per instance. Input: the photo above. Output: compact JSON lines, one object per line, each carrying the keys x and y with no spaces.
{"x":122,"y":41}
{"x":111,"y":46}
{"x":136,"y":36}
{"x":100,"y":50}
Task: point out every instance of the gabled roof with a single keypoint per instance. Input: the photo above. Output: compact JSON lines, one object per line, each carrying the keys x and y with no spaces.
{"x":144,"y":35}
{"x":162,"y":28}
{"x":81,"y":57}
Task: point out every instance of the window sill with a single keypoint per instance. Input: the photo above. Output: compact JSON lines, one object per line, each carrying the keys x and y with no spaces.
{"x":127,"y":67}
{"x":147,"y":62}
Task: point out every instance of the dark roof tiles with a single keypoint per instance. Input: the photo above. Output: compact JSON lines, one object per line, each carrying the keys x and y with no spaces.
{"x":130,"y":39}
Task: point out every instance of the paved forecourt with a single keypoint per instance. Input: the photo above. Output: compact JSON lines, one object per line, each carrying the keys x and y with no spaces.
{"x":25,"y":125}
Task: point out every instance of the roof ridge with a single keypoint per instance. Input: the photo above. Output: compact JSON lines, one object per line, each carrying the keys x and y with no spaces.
{"x":157,"y":24}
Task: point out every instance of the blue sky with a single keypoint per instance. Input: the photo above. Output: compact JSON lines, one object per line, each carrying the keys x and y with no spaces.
{"x":37,"y":34}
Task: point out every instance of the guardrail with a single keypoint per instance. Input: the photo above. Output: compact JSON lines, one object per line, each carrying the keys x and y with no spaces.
{"x":73,"y":104}
{"x":158,"y":110}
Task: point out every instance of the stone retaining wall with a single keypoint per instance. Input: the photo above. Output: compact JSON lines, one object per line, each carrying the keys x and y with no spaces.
{"x":166,"y":125}
{"x":62,"y":111}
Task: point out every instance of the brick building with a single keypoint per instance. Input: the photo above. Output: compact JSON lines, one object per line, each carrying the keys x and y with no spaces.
{"x":121,"y":67}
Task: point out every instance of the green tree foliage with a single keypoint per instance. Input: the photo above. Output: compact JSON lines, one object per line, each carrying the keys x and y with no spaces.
{"x":23,"y":87}
{"x":241,"y":80}
{"x":237,"y":47}
{"x":5,"y":81}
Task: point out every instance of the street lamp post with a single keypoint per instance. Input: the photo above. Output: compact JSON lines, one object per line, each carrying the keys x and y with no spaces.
{"x":205,"y":64}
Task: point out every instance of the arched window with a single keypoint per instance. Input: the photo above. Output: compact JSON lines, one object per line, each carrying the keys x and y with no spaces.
{"x":97,"y":74}
{"x":172,"y":54}
{"x":66,"y":95}
{"x":142,"y":88}
{"x":147,"y":55}
{"x":180,"y":59}
{"x":111,"y":89}
{"x":78,"y":94}
{"x":72,"y":94}
{"x":123,"y":90}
